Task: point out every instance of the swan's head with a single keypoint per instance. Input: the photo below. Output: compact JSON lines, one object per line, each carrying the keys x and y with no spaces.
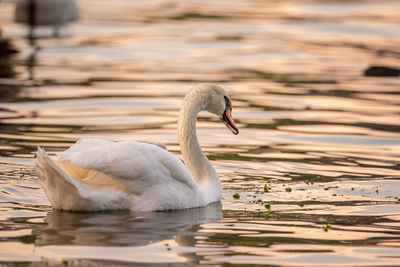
{"x":220,"y":104}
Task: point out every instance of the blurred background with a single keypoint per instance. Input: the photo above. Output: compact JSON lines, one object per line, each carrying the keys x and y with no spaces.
{"x":316,"y":95}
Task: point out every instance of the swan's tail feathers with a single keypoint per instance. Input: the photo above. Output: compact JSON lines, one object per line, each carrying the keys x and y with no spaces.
{"x":63,"y":191}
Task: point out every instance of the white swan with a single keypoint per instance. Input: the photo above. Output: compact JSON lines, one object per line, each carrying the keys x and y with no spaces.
{"x":96,"y":174}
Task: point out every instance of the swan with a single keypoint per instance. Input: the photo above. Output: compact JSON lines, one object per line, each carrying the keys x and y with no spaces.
{"x":54,"y":13}
{"x":46,"y":12}
{"x":95,"y":175}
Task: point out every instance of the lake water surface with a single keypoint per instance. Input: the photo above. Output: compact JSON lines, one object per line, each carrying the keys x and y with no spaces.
{"x":323,"y":137}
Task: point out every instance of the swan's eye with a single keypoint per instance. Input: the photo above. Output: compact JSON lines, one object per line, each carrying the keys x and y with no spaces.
{"x":228,"y":104}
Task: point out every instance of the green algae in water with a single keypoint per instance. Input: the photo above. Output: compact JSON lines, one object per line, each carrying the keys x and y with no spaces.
{"x":288,"y":189}
{"x":236,"y":196}
{"x":327,"y":227}
{"x":266,"y":188}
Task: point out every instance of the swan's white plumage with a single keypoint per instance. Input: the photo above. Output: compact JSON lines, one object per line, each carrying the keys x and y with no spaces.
{"x":138,"y":166}
{"x":130,"y":175}
{"x":96,"y":174}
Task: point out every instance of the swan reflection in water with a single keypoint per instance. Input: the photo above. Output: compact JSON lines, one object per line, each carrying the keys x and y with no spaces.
{"x":125,"y":228}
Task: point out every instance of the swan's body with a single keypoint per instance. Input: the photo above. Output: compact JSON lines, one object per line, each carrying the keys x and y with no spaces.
{"x":102,"y":175}
{"x":46,"y":12}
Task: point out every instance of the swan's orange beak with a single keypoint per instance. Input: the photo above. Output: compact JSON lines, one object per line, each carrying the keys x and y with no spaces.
{"x":228,"y":121}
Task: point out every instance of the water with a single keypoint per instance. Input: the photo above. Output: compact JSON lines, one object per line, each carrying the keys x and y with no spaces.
{"x":321,"y":135}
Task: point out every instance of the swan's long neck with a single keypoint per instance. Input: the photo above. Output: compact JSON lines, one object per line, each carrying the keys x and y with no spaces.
{"x":193,"y":156}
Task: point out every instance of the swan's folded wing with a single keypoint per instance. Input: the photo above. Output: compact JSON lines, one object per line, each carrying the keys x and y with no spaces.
{"x":135,"y":165}
{"x":84,"y":144}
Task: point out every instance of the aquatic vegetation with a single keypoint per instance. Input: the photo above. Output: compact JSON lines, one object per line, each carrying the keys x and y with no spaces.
{"x":266,"y":189}
{"x":327,"y":227}
{"x":236,"y":196}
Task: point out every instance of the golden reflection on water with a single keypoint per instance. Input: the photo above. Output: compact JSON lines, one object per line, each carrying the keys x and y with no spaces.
{"x":321,"y":135}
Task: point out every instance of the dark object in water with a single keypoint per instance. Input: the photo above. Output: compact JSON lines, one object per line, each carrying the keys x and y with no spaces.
{"x":8,"y":86}
{"x":381,"y":71}
{"x":6,"y":49}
